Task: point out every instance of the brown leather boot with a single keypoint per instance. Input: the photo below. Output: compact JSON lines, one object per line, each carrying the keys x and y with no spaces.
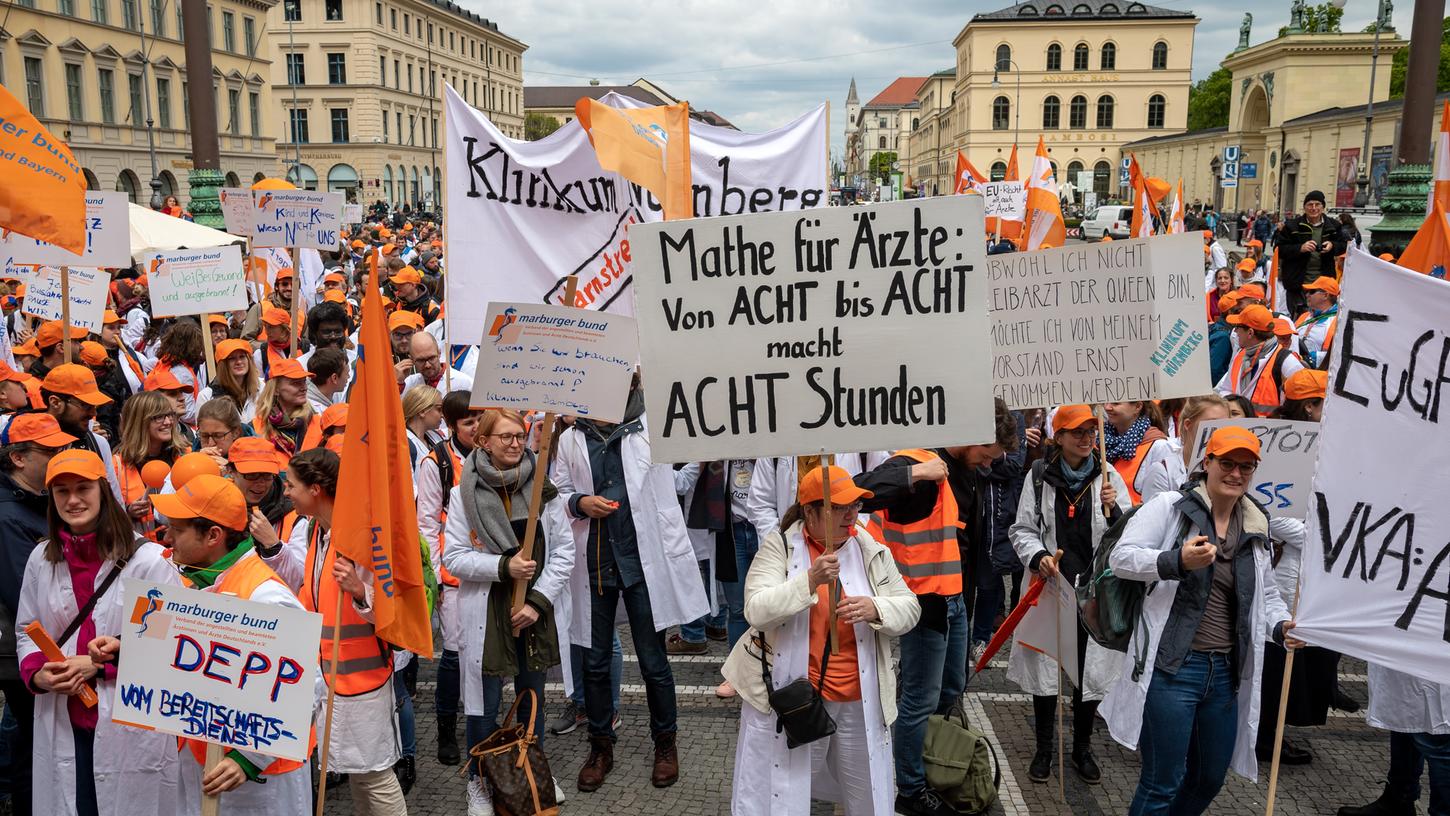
{"x":598,"y":765}
{"x":667,"y":762}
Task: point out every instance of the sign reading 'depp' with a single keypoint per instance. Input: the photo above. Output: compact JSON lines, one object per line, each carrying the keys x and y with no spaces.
{"x":297,"y":218}
{"x":841,"y":329}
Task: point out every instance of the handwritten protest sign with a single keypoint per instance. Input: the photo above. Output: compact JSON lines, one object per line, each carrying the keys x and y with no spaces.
{"x":87,"y":296}
{"x":536,"y":357}
{"x":1282,"y":480}
{"x":1005,"y":199}
{"x":1095,"y":323}
{"x":217,"y":668}
{"x":352,"y":213}
{"x":1050,"y":626}
{"x":297,"y":218}
{"x":1376,"y":566}
{"x":237,"y":207}
{"x":196,"y":281}
{"x":108,"y":238}
{"x":839,"y":329}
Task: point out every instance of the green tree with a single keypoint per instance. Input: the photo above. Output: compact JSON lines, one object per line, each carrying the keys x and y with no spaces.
{"x":1320,"y":19}
{"x":1400,"y":67}
{"x":881,"y":163}
{"x":537,"y":126}
{"x":1208,"y":100}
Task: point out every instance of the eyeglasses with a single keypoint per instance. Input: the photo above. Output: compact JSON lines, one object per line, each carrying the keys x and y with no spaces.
{"x":851,"y":509}
{"x":207,"y":438}
{"x":161,"y":419}
{"x":1229,"y":466}
{"x":1081,"y":433}
{"x":510,"y":439}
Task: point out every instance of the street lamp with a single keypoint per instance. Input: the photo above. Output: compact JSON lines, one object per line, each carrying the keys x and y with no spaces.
{"x":156,"y":201}
{"x":1016,"y":103}
{"x":1361,"y":192}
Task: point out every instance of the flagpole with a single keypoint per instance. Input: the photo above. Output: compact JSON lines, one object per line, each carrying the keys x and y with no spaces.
{"x":296,"y":300}
{"x":65,"y":312}
{"x":827,"y":191}
{"x":331,"y":701}
{"x":835,"y":592}
{"x":447,"y":341}
{"x":207,"y":345}
{"x":1283,"y":705}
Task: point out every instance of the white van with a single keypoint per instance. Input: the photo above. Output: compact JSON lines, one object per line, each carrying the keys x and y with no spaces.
{"x":1112,"y":220}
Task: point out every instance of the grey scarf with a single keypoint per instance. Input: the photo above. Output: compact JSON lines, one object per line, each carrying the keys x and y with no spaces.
{"x":488,"y":517}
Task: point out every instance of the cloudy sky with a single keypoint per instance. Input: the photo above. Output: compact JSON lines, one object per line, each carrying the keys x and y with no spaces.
{"x":763,"y":66}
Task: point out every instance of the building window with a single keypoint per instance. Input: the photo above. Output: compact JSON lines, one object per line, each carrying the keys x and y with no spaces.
{"x":432,"y":83}
{"x":73,"y":92}
{"x":133,"y":89}
{"x":1160,"y":56}
{"x":1001,"y":113}
{"x":158,"y":17}
{"x":880,"y":142}
{"x":1105,"y":112}
{"x":249,"y":33}
{"x":1080,"y":57}
{"x":163,"y":102}
{"x":412,"y":129}
{"x":337,"y":69}
{"x":180,"y":29}
{"x":1004,"y":57}
{"x":98,"y":11}
{"x":130,"y":17}
{"x":410,"y":79}
{"x":229,"y":32}
{"x":1108,"y":59}
{"x":299,"y":126}
{"x":234,"y":112}
{"x":399,"y":122}
{"x":334,"y":10}
{"x":292,"y":11}
{"x":430,"y":33}
{"x":998,"y":171}
{"x":378,"y":13}
{"x":393,"y":17}
{"x":254,"y":110}
{"x":296,"y":69}
{"x":1054,"y":57}
{"x":383,"y":71}
{"x":420,"y":77}
{"x":1157,"y":108}
{"x":435,"y":131}
{"x":385,"y":126}
{"x":68,"y":8}
{"x":1051,"y":113}
{"x":1077,"y":113}
{"x":1102,"y":177}
{"x":185,"y":107}
{"x":106,"y":84}
{"x":407,"y":24}
{"x":339,"y":125}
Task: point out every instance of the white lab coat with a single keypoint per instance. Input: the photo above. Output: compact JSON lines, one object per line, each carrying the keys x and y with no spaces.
{"x":701,"y":541}
{"x":1400,"y":702}
{"x":431,"y":494}
{"x":135,"y":770}
{"x":773,"y":485}
{"x":1032,"y":671}
{"x":1151,"y":531}
{"x":477,"y":571}
{"x":676,"y":593}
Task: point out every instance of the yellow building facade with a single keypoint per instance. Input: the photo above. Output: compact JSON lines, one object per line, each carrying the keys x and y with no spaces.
{"x":931,"y":156}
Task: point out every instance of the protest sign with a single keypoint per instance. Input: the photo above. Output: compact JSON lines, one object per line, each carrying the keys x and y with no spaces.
{"x":556,"y":359}
{"x":87,"y":296}
{"x":108,"y":238}
{"x":839,"y":329}
{"x":217,"y":668}
{"x":1050,"y":626}
{"x":1282,"y":480}
{"x":1005,"y":199}
{"x":1375,"y":574}
{"x":537,"y":212}
{"x":1092,"y":323}
{"x":237,"y":206}
{"x":352,"y":214}
{"x":297,"y":218}
{"x":196,"y":281}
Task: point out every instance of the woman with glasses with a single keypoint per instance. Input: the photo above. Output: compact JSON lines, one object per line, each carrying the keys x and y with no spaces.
{"x":236,"y":377}
{"x":1069,"y":501}
{"x":148,"y":432}
{"x":218,"y":425}
{"x":1188,"y":697}
{"x":1169,"y":473}
{"x":487,"y":513}
{"x":423,"y":415}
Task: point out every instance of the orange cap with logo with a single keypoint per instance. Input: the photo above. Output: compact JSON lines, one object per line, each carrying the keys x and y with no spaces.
{"x":289,"y":368}
{"x":1255,"y":317}
{"x":76,"y":381}
{"x":227,"y":348}
{"x":1232,"y":438}
{"x":253,"y":454}
{"x":205,"y":497}
{"x":83,"y":463}
{"x":1307,"y":383}
{"x":51,"y":332}
{"x":843,"y":489}
{"x":1324,"y":284}
{"x":161,"y":379}
{"x":1071,"y":417}
{"x":406,"y":275}
{"x":42,"y":429}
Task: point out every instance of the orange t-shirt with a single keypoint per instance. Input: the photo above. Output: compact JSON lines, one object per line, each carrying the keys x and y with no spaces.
{"x":843,"y":681}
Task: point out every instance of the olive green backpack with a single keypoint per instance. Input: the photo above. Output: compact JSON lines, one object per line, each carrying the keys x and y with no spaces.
{"x":961,"y":764}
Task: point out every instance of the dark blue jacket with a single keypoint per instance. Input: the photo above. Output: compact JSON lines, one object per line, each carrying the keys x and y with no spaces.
{"x":22,"y":526}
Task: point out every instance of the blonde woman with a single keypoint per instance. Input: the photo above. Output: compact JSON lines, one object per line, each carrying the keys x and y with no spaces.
{"x":1167,"y":473}
{"x":236,"y":377}
{"x":284,"y":416}
{"x":423,"y":414}
{"x":149,"y":430}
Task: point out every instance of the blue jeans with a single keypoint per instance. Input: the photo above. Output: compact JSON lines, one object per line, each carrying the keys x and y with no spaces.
{"x":578,"y":655}
{"x":747,"y":543}
{"x":447,"y":691}
{"x":694,"y":631}
{"x":1408,"y":755}
{"x":478,"y":728}
{"x":936,"y":663}
{"x":649,"y":645}
{"x":1190,"y":721}
{"x":407,"y":727}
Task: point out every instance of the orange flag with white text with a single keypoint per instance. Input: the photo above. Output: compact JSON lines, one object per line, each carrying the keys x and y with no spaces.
{"x":648,"y":146}
{"x":968,"y":178}
{"x":1175,"y":215}
{"x":1429,"y":251}
{"x":1141,"y":225}
{"x":42,"y":187}
{"x":1440,"y":190}
{"x":376,"y":521}
{"x":1045,"y":227}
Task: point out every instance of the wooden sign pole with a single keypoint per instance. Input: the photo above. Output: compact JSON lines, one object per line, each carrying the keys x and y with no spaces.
{"x":1103,"y":451}
{"x":1279,"y":721}
{"x":206,"y":343}
{"x":211,"y":805}
{"x":830,"y":542}
{"x":296,"y":298}
{"x":65,"y":313}
{"x":331,"y":700}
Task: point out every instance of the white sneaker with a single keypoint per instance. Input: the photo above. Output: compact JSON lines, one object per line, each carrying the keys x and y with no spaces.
{"x":479,"y":803}
{"x":558,"y":793}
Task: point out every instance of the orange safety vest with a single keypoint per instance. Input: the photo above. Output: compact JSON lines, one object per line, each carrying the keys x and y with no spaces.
{"x":1308,"y":317}
{"x":443,"y":574}
{"x":1128,"y":468}
{"x":241,"y":580}
{"x":365,"y":663}
{"x":1267,"y":395}
{"x":926,"y":550}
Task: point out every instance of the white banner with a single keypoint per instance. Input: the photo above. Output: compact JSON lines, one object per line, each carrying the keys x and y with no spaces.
{"x":108,"y":238}
{"x":1376,"y":569}
{"x":1005,"y":199}
{"x":297,"y":218}
{"x":790,"y":333}
{"x":87,"y":296}
{"x":539,"y":357}
{"x":217,"y":668}
{"x":1112,"y":322}
{"x":237,"y":209}
{"x":196,"y":281}
{"x":1281,"y":482}
{"x":536,"y":212}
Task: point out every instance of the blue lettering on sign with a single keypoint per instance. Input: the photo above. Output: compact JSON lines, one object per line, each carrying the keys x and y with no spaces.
{"x":137,"y":697}
{"x":382,"y":565}
{"x":1274,"y":495}
{"x":213,"y":722}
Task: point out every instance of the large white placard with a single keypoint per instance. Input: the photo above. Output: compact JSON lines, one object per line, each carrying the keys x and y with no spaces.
{"x":237,"y":209}
{"x":1281,"y":482}
{"x":538,"y":357}
{"x":196,"y":281}
{"x":217,"y":668}
{"x":87,"y":296}
{"x":1091,"y":323}
{"x":841,"y":329}
{"x":108,"y":238}
{"x":1050,"y":626}
{"x":297,"y":218}
{"x":1376,"y":568}
{"x":1005,"y":199}
{"x":533,"y":213}
{"x":352,"y":214}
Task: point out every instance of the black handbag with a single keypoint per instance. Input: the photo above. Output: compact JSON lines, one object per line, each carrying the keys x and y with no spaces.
{"x":799,"y":710}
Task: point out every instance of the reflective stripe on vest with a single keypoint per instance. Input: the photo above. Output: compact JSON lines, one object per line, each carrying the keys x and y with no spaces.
{"x":926,"y":551}
{"x":364,"y":662}
{"x":1266,"y":396}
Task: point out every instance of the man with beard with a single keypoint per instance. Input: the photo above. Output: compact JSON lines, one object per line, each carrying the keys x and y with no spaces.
{"x":71,"y":395}
{"x":412,"y":295}
{"x":254,"y":468}
{"x":428,"y":366}
{"x":281,"y":298}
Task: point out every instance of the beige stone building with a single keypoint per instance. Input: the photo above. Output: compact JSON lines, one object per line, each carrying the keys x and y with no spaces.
{"x":78,"y":66}
{"x":879,"y":126}
{"x":1089,"y":75}
{"x":931,"y":155}
{"x":342,"y":127}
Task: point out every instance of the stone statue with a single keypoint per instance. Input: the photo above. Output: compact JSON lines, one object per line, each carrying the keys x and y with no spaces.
{"x":1296,"y":15}
{"x":1268,"y":80}
{"x":1244,"y":31}
{"x":1386,"y":21}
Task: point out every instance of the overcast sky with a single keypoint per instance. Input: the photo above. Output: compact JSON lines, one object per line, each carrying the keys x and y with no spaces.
{"x":762,"y":64}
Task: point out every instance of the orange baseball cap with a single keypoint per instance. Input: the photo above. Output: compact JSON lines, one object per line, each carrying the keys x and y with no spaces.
{"x":1252,"y":290}
{"x":335,"y":416}
{"x":384,"y":232}
{"x":217,"y":320}
{"x":334,"y":443}
{"x":50,"y":333}
{"x":402,"y":318}
{"x":334,"y":277}
{"x":191,"y":465}
{"x":1229,"y":301}
{"x":75,"y":381}
{"x":334,"y":296}
{"x":843,"y":490}
{"x":357,"y":243}
{"x":1384,"y":256}
{"x":93,"y":353}
{"x":1307,"y":383}
{"x":206,"y":497}
{"x":1325,"y":284}
{"x":1069,"y":417}
{"x":1255,"y":243}
{"x":1232,"y":438}
{"x":1282,"y":327}
{"x":387,"y":249}
{"x":286,"y":272}
{"x":408,"y":227}
{"x":253,"y":454}
{"x":83,"y":463}
{"x":273,"y":316}
{"x":1247,"y":265}
{"x":289,"y":368}
{"x":161,"y":379}
{"x":1255,"y":317}
{"x":406,"y":275}
{"x":227,"y":348}
{"x":28,"y":348}
{"x":42,"y":429}
{"x":111,"y":317}
{"x":8,"y":374}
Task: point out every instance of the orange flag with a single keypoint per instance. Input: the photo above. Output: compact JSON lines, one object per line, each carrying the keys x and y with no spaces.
{"x":968,"y":179}
{"x":1429,"y":250}
{"x":1273,"y":278}
{"x":1440,"y":189}
{"x":1044,"y":210}
{"x":1175,"y":215}
{"x":377,"y":522}
{"x":1141,"y":225}
{"x":42,"y":188}
{"x":648,"y":146}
